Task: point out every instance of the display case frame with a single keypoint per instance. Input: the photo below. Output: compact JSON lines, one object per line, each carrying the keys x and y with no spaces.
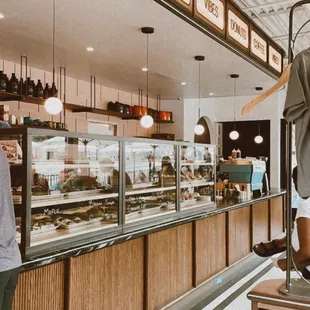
{"x":31,"y":252}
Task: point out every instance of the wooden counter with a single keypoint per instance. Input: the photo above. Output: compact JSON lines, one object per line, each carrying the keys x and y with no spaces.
{"x":151,"y":270}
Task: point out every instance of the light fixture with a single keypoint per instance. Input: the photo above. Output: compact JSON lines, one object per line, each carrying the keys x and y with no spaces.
{"x":145,"y":69}
{"x":199,"y":129}
{"x":211,"y":94}
{"x":89,"y":49}
{"x":147,"y":121}
{"x":53,"y":105}
{"x":183,"y":83}
{"x":259,"y":139}
{"x":234,"y":135}
{"x":1,"y":16}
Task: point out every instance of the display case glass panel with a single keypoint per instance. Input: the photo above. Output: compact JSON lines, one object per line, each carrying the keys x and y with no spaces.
{"x":150,"y":174}
{"x":197,"y":171}
{"x":74,"y":187}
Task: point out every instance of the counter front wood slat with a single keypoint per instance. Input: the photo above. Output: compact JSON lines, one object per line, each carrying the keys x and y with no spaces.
{"x":260,"y":222}
{"x":276,"y":216}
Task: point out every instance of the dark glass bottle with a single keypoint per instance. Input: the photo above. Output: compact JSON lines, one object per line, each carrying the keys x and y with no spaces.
{"x":53,"y":92}
{"x":38,"y":91}
{"x":29,"y":87}
{"x":2,"y":82}
{"x":13,"y":85}
{"x":46,"y":91}
{"x":21,"y":87}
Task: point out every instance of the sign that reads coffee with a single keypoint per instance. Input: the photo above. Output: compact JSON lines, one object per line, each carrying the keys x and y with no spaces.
{"x":212,"y":10}
{"x":275,"y":59}
{"x":238,"y":29}
{"x":258,"y":46}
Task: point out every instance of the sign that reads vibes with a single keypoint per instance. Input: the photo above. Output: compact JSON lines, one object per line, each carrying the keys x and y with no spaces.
{"x":258,"y":46}
{"x":275,"y":59}
{"x":212,"y":10}
{"x":238,"y":29}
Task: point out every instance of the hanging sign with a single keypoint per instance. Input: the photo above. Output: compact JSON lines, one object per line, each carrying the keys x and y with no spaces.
{"x":275,"y":59}
{"x":237,"y":28}
{"x":212,"y":13}
{"x":185,"y":5}
{"x":258,"y":46}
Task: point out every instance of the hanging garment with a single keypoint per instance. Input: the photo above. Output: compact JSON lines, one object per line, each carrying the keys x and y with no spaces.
{"x":297,"y":110}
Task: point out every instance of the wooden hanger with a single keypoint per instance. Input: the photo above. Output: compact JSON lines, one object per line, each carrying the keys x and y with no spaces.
{"x":282,"y":81}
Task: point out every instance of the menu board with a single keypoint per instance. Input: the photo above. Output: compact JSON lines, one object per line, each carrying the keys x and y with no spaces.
{"x":185,"y":5}
{"x":211,"y":13}
{"x":237,"y":28}
{"x":258,"y":45}
{"x":275,"y":59}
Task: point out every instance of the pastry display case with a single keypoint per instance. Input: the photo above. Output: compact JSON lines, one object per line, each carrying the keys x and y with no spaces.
{"x":72,"y":188}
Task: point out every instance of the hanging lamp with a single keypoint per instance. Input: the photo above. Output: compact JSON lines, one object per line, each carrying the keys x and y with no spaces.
{"x":234,"y":135}
{"x":147,"y":121}
{"x":53,"y":105}
{"x":259,"y":139}
{"x":199,"y":129}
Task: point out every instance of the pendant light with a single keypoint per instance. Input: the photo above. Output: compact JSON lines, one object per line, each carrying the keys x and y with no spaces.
{"x":258,"y":139}
{"x":199,"y":129}
{"x":147,"y":121}
{"x":53,"y":105}
{"x":234,"y":135}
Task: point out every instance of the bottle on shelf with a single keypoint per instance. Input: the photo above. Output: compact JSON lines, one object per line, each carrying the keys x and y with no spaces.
{"x":21,"y":87}
{"x":53,"y":92}
{"x":38,"y":91}
{"x":3,"y":82}
{"x":233,"y":153}
{"x":28,"y":87}
{"x":13,"y":85}
{"x":238,"y":153}
{"x":46,"y":91}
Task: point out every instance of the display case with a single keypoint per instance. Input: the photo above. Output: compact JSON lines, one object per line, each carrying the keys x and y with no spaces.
{"x":71,"y":188}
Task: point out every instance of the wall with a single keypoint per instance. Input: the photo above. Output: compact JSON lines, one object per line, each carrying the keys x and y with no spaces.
{"x":78,"y":92}
{"x":222,"y":109}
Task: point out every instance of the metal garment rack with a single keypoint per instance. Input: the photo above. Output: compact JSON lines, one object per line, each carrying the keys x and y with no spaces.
{"x":297,"y":288}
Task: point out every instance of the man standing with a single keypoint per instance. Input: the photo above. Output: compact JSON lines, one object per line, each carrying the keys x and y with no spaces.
{"x":10,"y":259}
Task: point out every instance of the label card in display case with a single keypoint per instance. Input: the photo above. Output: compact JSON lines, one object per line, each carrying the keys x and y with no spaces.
{"x":275,"y":59}
{"x":237,"y":28}
{"x":211,"y":13}
{"x":185,"y":5}
{"x":259,"y":46}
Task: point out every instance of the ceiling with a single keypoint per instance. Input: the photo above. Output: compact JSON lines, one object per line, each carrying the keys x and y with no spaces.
{"x":273,"y":17}
{"x":112,"y":28}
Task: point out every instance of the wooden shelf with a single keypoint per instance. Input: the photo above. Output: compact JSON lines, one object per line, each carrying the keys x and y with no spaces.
{"x":159,"y":121}
{"x":4,"y":96}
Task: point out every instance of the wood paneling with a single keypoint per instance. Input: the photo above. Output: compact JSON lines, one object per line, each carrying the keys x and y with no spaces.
{"x":210,"y":247}
{"x":169,"y":265}
{"x":239,"y":234}
{"x":276,"y":217}
{"x":111,"y":278}
{"x":260,"y":222}
{"x":41,"y":288}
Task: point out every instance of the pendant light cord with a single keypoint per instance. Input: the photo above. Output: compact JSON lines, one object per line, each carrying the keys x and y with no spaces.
{"x":234,"y":104}
{"x":147,"y":72}
{"x":199,"y":90}
{"x":54,"y":22}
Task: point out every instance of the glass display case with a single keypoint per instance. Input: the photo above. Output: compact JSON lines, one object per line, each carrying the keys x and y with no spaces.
{"x":73,"y":188}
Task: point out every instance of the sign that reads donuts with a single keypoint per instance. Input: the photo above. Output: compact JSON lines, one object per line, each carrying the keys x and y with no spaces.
{"x":258,"y":45}
{"x":275,"y":59}
{"x":237,"y":28}
{"x":211,"y":12}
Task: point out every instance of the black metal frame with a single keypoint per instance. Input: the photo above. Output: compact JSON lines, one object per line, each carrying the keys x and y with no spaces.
{"x":29,"y":251}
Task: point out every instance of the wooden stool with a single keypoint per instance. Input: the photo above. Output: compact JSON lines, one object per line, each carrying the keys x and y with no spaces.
{"x":266,"y":295}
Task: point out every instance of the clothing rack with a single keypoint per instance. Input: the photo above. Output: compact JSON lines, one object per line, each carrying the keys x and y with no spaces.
{"x":298,"y":288}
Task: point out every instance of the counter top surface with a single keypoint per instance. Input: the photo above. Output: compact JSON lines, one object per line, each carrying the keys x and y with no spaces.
{"x":221,"y":206}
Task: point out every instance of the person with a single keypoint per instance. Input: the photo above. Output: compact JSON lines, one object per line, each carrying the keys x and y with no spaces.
{"x":63,"y":176}
{"x":10,"y":258}
{"x":166,"y":166}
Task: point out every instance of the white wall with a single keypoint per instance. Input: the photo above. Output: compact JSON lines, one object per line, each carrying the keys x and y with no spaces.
{"x":222,"y":109}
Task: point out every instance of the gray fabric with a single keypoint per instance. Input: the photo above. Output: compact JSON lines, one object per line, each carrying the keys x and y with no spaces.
{"x":9,"y":251}
{"x":8,"y":282}
{"x":297,"y":110}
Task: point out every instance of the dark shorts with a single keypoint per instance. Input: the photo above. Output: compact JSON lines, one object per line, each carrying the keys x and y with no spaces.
{"x":8,"y":282}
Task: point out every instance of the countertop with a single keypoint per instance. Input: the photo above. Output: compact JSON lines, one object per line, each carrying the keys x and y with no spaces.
{"x":221,"y":206}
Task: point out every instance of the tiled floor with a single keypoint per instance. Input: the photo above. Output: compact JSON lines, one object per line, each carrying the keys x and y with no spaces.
{"x":241,"y":302}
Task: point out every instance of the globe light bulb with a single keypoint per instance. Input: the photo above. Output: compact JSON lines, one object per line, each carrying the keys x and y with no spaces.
{"x":258,"y":139}
{"x":199,"y":129}
{"x":234,"y":135}
{"x":147,"y":121}
{"x":53,"y":105}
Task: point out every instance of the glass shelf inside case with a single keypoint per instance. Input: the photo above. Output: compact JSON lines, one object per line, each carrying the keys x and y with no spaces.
{"x":74,"y":187}
{"x":150,"y":180}
{"x":197,"y":176}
